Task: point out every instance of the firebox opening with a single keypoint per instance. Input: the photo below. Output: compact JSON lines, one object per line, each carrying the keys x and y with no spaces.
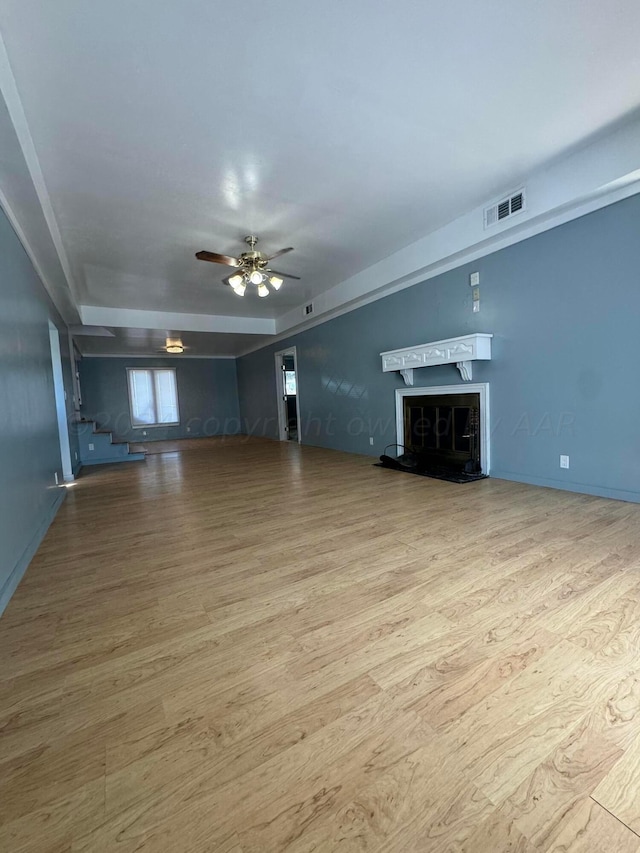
{"x":444,"y":431}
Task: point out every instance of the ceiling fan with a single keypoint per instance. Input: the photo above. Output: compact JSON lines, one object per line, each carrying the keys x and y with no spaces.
{"x":253,"y":268}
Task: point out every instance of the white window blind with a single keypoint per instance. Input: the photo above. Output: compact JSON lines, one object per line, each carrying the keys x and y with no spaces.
{"x":153,"y":395}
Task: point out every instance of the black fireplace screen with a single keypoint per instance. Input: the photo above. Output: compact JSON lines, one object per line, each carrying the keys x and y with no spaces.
{"x":444,"y":430}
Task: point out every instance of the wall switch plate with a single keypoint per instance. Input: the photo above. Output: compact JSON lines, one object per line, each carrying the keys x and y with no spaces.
{"x":476,"y":306}
{"x":91,"y":447}
{"x":564,"y":461}
{"x":474,"y":279}
{"x":371,"y":440}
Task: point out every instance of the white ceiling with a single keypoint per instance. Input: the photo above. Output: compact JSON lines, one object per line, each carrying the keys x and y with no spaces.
{"x":348,"y":130}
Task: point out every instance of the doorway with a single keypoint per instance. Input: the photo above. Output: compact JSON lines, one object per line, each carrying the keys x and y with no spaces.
{"x":288,"y":395}
{"x":61,"y":404}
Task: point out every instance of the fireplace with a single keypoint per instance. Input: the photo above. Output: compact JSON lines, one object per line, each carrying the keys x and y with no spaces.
{"x":447,"y":427}
{"x":444,"y":430}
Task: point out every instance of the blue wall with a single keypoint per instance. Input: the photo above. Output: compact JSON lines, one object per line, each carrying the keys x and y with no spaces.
{"x":29,"y":441}
{"x":564,"y":308}
{"x":207,"y":396}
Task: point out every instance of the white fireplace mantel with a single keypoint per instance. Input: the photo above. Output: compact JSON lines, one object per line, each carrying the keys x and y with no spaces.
{"x":460,"y":351}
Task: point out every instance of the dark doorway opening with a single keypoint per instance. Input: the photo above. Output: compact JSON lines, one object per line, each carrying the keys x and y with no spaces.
{"x":290,"y":385}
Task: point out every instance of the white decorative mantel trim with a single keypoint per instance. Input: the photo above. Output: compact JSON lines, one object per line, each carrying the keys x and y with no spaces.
{"x":459,"y":351}
{"x":481,"y":388}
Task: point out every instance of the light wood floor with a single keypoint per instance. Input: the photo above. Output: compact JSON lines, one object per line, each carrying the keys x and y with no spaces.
{"x":255,"y":647}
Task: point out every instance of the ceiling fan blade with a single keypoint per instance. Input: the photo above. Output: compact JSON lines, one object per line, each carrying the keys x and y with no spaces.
{"x":215,"y":258}
{"x":281,"y":252}
{"x":284,"y":274}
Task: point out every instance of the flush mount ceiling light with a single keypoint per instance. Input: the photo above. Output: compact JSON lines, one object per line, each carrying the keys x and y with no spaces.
{"x":253,"y":268}
{"x":173,"y":346}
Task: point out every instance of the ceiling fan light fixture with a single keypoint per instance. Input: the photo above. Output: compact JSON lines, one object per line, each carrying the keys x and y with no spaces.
{"x":252,"y":266}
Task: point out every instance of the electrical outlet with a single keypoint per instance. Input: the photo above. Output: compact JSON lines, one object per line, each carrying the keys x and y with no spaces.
{"x":144,"y":432}
{"x":371,"y":440}
{"x":75,"y":453}
{"x":474,"y":279}
{"x":564,"y":461}
{"x":55,"y":477}
{"x":188,"y":429}
{"x":91,"y":447}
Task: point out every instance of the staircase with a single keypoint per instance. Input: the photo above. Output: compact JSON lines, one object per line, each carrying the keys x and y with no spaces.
{"x":97,"y":446}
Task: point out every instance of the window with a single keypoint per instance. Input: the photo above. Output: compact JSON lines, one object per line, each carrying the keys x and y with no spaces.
{"x":153,"y":396}
{"x":290,"y":382}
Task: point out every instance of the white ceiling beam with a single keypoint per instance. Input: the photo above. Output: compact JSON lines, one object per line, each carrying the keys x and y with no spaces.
{"x":129,"y":318}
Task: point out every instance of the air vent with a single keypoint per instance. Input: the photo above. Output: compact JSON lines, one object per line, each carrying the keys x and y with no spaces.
{"x":517,"y":202}
{"x":504,"y":209}
{"x":308,"y":309}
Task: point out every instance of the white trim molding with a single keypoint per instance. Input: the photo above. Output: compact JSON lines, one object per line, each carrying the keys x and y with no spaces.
{"x":481,"y":388}
{"x":460,"y":351}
